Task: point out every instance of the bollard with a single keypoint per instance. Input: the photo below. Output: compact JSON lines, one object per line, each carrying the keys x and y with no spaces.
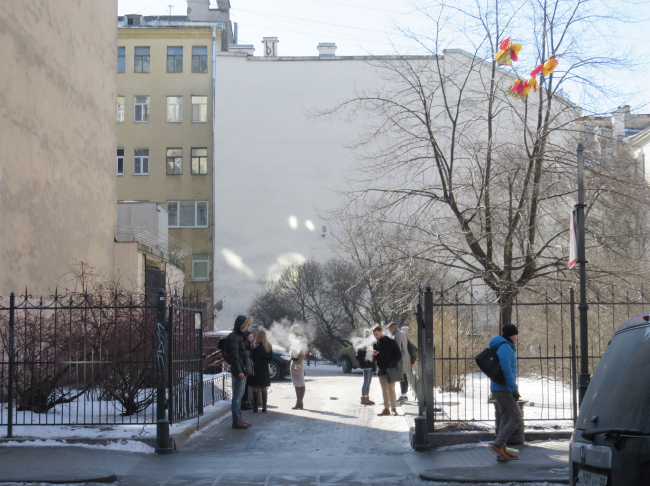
{"x":419,"y":441}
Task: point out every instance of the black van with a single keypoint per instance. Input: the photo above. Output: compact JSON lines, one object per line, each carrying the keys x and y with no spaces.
{"x":610,"y":445}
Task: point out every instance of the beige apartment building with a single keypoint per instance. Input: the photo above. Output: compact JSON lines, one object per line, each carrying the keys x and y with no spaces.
{"x":165,"y":113}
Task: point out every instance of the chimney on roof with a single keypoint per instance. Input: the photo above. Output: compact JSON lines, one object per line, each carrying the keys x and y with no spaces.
{"x":327,"y":49}
{"x":248,"y":49}
{"x":223,"y":3}
{"x":270,"y":46}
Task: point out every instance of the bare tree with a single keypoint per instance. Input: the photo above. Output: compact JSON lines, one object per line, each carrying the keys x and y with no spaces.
{"x":486,"y":178}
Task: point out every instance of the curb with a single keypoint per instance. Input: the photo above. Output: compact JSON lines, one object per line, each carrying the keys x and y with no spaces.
{"x":103,"y":477}
{"x":485,"y":475}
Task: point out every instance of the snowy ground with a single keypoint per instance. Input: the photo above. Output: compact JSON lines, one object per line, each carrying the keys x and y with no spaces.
{"x":549,"y":403}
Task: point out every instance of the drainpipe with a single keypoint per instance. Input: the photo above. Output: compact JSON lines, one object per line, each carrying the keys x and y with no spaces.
{"x":214,"y":160}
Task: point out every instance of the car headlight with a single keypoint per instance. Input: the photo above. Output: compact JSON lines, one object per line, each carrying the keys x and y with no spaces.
{"x":286,"y":358}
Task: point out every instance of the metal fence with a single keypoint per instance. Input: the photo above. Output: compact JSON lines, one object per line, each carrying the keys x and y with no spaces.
{"x":84,"y":359}
{"x":217,"y":388}
{"x":547,"y":351}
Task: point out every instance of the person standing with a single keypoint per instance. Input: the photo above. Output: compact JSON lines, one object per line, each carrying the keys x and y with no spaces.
{"x":237,"y":355}
{"x":506,"y":394}
{"x":248,"y":388}
{"x":404,"y":365}
{"x":262,"y":352}
{"x":298,"y":350}
{"x":367,"y":364}
{"x":387,"y":354}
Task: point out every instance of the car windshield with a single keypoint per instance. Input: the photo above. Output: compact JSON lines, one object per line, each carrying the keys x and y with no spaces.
{"x":619,"y":392}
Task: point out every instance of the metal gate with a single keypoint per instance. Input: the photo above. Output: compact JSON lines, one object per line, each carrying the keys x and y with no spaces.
{"x":185,"y":359}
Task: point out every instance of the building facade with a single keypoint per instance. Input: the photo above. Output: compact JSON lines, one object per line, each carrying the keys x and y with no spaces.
{"x":165,"y":122}
{"x":57,"y":176}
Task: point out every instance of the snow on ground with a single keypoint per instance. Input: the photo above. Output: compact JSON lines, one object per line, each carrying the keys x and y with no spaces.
{"x":122,"y":432}
{"x":122,"y":445}
{"x":549,"y":402}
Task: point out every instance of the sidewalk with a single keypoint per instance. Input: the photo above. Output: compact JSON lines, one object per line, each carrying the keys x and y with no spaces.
{"x":334,"y":441}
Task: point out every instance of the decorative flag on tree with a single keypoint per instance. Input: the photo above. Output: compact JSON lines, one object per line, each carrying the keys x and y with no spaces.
{"x":508,"y":53}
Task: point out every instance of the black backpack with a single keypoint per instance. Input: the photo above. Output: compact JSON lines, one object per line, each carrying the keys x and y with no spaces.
{"x":223,"y":346}
{"x":488,"y":362}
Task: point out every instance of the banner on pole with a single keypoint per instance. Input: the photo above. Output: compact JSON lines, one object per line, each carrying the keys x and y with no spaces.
{"x":573,"y":241}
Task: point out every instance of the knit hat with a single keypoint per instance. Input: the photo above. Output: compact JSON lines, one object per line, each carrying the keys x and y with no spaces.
{"x":509,"y":330}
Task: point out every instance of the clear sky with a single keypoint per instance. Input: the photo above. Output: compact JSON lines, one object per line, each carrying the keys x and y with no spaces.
{"x":373,"y":27}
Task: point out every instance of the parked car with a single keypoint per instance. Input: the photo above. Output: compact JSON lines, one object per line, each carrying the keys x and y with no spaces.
{"x":610,"y":444}
{"x":347,"y":359}
{"x":212,"y":360}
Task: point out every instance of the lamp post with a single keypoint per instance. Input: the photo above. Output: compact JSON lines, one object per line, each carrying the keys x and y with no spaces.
{"x":584,"y":377}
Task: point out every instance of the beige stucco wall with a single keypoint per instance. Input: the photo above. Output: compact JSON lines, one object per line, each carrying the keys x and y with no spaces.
{"x":157,"y":135}
{"x":129,"y":266}
{"x":57,"y":132}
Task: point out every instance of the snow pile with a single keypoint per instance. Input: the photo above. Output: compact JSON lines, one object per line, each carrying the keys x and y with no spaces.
{"x":122,"y":445}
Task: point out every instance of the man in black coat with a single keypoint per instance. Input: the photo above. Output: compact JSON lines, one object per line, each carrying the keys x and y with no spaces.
{"x":237,"y":355}
{"x":388,"y":355}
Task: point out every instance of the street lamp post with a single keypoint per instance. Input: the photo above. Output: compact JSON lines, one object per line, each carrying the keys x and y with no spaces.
{"x":584,"y":378}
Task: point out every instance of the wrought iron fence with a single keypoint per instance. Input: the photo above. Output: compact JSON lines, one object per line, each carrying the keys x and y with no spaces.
{"x":84,"y":359}
{"x":547,"y":350}
{"x":217,"y":388}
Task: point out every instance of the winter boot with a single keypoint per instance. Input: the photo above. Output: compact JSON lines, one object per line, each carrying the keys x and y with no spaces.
{"x":363,"y":400}
{"x":264,"y":397}
{"x":369,"y":402}
{"x":296,"y":406}
{"x":256,"y":397}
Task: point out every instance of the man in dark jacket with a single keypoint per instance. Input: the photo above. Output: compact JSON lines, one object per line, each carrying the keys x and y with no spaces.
{"x":506,"y":394}
{"x":387,"y":354}
{"x":237,"y":355}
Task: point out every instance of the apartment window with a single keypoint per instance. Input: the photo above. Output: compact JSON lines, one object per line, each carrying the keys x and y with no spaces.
{"x":174,"y":59}
{"x":175,"y":109}
{"x":120,"y":109}
{"x":200,"y":267}
{"x":121,"y":56}
{"x":174,"y":161}
{"x":141,"y":63}
{"x":120,"y":161}
{"x":200,"y":59}
{"x":188,"y":214}
{"x":172,"y":211}
{"x":140,"y":161}
{"x":199,"y":161}
{"x":199,"y":108}
{"x":141,"y":109}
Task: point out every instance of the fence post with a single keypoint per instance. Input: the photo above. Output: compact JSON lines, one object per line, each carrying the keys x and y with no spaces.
{"x":171,"y":396}
{"x":574,"y":368}
{"x":428,"y":366}
{"x":421,"y":354}
{"x":10,"y":391}
{"x":200,"y":361}
{"x":162,"y":424}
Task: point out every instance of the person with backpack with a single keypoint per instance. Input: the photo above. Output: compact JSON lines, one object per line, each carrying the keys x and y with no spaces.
{"x":236,"y":352}
{"x":506,"y":394}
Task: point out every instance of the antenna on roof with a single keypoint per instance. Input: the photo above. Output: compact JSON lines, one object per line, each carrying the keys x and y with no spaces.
{"x":170,"y":14}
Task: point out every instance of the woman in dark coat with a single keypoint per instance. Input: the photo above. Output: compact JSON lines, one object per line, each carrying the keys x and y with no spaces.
{"x":262,"y":352}
{"x":387,"y":354}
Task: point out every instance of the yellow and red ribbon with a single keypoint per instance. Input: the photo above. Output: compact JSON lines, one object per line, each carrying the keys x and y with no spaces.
{"x":508,"y":52}
{"x":545,"y":68}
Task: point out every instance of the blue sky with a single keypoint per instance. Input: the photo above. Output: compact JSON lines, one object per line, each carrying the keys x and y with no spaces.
{"x":362,"y":27}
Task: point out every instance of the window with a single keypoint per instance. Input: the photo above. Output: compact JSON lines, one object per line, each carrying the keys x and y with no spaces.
{"x":199,"y":161}
{"x":141,"y":109}
{"x":199,"y":108}
{"x":200,"y":264}
{"x":174,"y":161}
{"x":175,"y":109}
{"x":140,"y":161}
{"x":174,"y":59}
{"x":141,"y":63}
{"x":121,"y":55}
{"x":200,"y":59}
{"x":120,"y":161}
{"x":120,"y":109}
{"x":188,"y":214}
{"x":172,"y":210}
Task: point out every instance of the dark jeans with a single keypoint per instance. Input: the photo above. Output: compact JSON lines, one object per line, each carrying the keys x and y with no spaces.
{"x":509,"y":416}
{"x":404,"y":385}
{"x":238,"y":389}
{"x":367,"y":378}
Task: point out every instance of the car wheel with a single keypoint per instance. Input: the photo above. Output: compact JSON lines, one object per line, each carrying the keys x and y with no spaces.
{"x":346,"y":364}
{"x":274,"y":370}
